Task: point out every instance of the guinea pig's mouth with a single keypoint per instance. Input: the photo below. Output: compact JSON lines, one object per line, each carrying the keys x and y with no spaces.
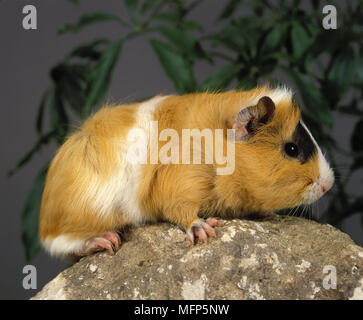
{"x":318,"y":188}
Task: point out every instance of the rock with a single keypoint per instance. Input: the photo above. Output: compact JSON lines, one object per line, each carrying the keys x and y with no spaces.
{"x":277,"y":258}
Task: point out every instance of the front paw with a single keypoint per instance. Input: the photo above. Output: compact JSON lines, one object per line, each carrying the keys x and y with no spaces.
{"x":202,"y":229}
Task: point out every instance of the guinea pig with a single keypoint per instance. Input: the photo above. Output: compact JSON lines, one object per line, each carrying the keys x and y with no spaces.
{"x":129,"y":164}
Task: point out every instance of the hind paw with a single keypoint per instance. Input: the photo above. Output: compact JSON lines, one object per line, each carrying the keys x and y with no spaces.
{"x":109,"y":241}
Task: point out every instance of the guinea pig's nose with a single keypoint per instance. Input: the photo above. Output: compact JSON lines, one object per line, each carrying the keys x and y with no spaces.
{"x":326,"y":186}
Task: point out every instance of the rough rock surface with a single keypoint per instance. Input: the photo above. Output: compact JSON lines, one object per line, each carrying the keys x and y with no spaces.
{"x":277,"y":258}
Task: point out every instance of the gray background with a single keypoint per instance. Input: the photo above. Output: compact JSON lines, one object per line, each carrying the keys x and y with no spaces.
{"x":25,"y":59}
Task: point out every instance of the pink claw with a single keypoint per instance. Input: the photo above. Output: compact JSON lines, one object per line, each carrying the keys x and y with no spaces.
{"x":113,"y":237}
{"x":213,"y":222}
{"x":109,"y":241}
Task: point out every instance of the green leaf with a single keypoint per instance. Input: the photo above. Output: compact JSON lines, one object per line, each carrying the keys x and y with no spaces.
{"x":132,"y":7}
{"x":314,"y":102}
{"x":88,"y":19}
{"x":90,"y":50}
{"x":230,"y":37}
{"x":73,"y":87}
{"x":229,"y":9}
{"x":360,"y":66}
{"x":356,"y":140}
{"x":175,"y":19}
{"x":326,"y":41}
{"x":180,"y":39}
{"x":75,"y":2}
{"x":70,"y":81}
{"x":268,"y":65}
{"x":148,"y":4}
{"x":275,"y":38}
{"x":184,"y":42}
{"x":100,"y":76}
{"x":258,"y":7}
{"x":341,"y":74}
{"x":58,"y":116}
{"x":192,"y":6}
{"x":39,"y":121}
{"x":30,"y":216}
{"x":191,"y":25}
{"x":176,"y":68}
{"x":221,"y":78}
{"x":170,"y":17}
{"x":243,"y":36}
{"x":247,"y":83}
{"x":300,"y":40}
{"x":252,"y":31}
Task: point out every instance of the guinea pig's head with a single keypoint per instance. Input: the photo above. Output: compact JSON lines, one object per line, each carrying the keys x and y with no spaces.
{"x":280,"y":161}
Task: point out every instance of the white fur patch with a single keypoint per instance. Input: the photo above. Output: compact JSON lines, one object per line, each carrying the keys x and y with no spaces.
{"x":62,"y":246}
{"x":276,"y":95}
{"x":119,"y":192}
{"x":280,"y":94}
{"x":326,"y":176}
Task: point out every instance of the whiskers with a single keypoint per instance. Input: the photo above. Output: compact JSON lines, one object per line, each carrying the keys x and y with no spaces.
{"x":293,"y":211}
{"x":304,"y":211}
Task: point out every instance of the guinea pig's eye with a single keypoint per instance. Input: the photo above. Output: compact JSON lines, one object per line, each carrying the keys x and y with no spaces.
{"x":291,"y":149}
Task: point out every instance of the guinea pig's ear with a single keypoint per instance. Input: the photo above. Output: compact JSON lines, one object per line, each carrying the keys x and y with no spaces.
{"x":250,"y":118}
